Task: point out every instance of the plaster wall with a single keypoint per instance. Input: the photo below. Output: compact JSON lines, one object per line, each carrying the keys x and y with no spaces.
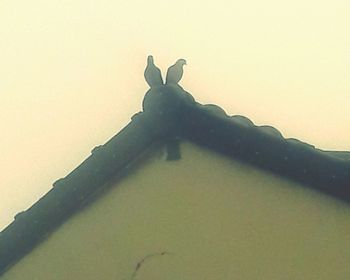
{"x":202,"y":217}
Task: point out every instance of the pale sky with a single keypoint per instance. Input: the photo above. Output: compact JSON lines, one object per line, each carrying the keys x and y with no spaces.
{"x":71,"y":74}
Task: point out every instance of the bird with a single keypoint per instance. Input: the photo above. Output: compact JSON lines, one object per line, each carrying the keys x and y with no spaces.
{"x":175,"y":72}
{"x":152,"y":73}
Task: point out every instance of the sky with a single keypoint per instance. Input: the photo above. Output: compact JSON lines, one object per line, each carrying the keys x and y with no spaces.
{"x":71,"y":75}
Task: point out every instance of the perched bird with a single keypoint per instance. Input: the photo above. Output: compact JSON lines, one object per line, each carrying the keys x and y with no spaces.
{"x":175,"y":72}
{"x":152,"y":73}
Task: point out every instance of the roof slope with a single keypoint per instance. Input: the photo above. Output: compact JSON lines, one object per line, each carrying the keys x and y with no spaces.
{"x":169,"y":112}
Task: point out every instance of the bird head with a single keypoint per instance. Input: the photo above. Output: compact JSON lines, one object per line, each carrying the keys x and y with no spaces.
{"x":150,"y":59}
{"x":181,"y":62}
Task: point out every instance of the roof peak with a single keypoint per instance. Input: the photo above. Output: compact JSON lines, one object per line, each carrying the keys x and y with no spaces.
{"x":168,"y":110}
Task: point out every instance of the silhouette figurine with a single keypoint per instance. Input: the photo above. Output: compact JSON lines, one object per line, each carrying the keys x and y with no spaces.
{"x":152,"y":73}
{"x":175,"y":72}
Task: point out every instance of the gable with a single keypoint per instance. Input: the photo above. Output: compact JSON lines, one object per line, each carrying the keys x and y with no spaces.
{"x":211,"y":216}
{"x":169,"y":114}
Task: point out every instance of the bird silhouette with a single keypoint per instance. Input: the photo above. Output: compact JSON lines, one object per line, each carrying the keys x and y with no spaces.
{"x":152,"y":73}
{"x":175,"y":72}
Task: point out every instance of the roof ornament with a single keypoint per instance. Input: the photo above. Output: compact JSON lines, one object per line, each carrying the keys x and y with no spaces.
{"x":162,"y":98}
{"x":163,"y":103}
{"x":152,"y":73}
{"x":175,"y":72}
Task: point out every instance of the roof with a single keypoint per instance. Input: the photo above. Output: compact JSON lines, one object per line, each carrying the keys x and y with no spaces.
{"x":169,"y":112}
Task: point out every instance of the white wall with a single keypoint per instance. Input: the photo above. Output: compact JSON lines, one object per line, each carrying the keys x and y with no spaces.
{"x":215,"y":219}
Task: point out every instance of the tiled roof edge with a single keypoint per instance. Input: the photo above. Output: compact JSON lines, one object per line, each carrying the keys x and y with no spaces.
{"x":266,"y":148}
{"x":69,"y":194}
